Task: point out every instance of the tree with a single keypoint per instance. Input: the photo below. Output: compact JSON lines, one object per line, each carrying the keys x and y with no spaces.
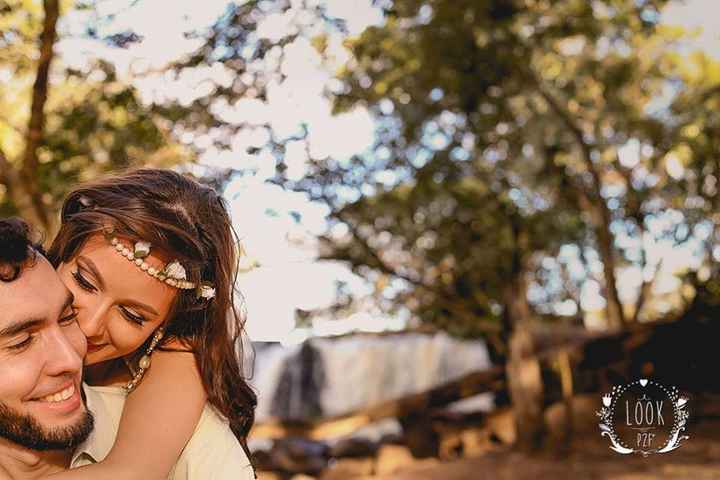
{"x":65,"y":125}
{"x":531,"y":88}
{"x":567,"y":113}
{"x":532,"y":104}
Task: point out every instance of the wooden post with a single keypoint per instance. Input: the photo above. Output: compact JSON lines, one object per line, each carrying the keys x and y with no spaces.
{"x":566,"y":382}
{"x":526,"y":389}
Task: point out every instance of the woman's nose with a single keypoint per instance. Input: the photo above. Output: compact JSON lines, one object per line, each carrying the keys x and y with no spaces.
{"x":91,"y":319}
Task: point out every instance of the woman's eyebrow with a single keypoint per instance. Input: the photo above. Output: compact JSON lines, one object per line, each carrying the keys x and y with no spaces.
{"x":141,"y":306}
{"x":93,"y":269}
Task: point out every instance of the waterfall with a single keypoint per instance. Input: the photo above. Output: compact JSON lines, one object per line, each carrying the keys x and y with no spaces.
{"x":334,"y":376}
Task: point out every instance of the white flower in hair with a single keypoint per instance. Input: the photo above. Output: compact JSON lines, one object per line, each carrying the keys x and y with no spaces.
{"x":206,"y":292}
{"x":142,"y":249}
{"x":175,"y":270}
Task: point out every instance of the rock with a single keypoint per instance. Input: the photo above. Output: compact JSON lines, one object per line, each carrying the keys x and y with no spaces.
{"x":354,"y":448}
{"x":268,"y":476}
{"x":297,"y":395}
{"x":349,"y":468}
{"x":501,"y":425}
{"x":391,"y":439}
{"x":262,"y":460}
{"x":392,"y":458}
{"x":296,"y":455}
{"x":476,"y":442}
{"x":451,"y":446}
{"x":583,"y":415}
{"x":420,"y":436}
{"x":302,"y":477}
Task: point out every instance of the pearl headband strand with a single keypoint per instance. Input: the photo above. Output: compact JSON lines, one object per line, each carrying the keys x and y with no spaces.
{"x":173,"y":274}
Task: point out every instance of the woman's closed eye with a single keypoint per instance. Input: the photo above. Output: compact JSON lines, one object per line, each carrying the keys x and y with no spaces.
{"x":132,"y":315}
{"x":69,"y":317}
{"x":83,"y":282}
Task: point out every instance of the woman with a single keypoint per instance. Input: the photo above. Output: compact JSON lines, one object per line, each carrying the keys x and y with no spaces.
{"x":150,"y":257}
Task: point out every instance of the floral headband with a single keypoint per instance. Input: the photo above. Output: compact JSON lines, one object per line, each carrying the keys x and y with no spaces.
{"x":172,"y":274}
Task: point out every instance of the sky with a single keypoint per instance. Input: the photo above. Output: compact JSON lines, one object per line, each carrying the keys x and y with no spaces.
{"x":288,"y":276}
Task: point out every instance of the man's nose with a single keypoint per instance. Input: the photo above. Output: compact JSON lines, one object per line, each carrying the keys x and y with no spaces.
{"x":63,"y":356}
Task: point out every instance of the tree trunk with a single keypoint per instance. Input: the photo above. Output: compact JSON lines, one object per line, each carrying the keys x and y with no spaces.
{"x":525,"y":384}
{"x":566,"y":382}
{"x":36,"y":126}
{"x":526,"y":388}
{"x":614,"y":312}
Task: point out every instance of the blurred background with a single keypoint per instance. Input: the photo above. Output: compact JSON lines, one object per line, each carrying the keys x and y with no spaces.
{"x":461,"y":221}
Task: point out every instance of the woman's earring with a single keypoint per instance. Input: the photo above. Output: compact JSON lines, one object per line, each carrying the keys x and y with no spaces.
{"x":144,"y":362}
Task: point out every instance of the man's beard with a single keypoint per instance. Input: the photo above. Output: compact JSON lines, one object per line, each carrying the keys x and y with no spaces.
{"x":26,"y":430}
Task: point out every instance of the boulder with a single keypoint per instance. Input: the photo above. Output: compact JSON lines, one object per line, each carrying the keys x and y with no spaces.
{"x":354,"y":448}
{"x":584,"y":418}
{"x":349,"y":468}
{"x":476,"y":442}
{"x":262,"y":460}
{"x":268,"y":476}
{"x":297,"y":455}
{"x":392,"y":458}
{"x":501,"y":424}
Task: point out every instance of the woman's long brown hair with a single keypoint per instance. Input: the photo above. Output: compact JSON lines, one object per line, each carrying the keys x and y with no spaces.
{"x":189,"y":222}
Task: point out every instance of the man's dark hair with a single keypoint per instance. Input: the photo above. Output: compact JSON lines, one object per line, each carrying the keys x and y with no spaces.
{"x":17,"y":250}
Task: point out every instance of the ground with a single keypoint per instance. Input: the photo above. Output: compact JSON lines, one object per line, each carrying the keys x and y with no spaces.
{"x":589,"y":458}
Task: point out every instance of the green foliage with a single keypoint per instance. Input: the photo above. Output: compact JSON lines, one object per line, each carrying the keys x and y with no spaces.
{"x":513,"y":98}
{"x":506,"y":130}
{"x":94,"y":123}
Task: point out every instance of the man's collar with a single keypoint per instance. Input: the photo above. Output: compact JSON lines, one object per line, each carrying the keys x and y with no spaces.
{"x":101,"y":439}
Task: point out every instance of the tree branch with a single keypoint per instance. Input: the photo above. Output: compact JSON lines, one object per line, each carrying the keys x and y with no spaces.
{"x":6,"y":170}
{"x":602,"y":215}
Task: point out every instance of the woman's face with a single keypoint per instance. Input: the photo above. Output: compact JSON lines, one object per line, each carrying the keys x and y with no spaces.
{"x":119,"y":305}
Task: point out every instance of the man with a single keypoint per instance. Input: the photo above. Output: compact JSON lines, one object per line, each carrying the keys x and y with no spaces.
{"x":46,"y":413}
{"x":42,"y":413}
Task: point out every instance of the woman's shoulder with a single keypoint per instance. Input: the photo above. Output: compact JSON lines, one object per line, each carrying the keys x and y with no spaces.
{"x":213,"y":450}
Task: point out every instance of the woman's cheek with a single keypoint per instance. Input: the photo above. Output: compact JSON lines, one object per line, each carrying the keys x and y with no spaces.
{"x":126,"y":338}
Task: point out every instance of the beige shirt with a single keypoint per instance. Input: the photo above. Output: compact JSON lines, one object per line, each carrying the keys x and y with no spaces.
{"x":212,"y":453}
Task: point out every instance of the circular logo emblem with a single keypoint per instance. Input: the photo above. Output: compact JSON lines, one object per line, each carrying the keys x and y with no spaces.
{"x":643,"y":417}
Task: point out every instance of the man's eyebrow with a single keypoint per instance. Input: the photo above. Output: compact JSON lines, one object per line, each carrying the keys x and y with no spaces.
{"x":19,"y":327}
{"x":94,"y":270}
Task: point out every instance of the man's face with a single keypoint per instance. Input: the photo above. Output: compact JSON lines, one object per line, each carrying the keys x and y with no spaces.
{"x":41,"y":352}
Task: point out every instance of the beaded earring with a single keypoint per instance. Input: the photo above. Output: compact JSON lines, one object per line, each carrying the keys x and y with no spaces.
{"x":144,"y":362}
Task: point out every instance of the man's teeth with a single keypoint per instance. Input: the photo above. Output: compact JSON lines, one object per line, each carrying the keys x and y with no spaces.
{"x":60,"y":396}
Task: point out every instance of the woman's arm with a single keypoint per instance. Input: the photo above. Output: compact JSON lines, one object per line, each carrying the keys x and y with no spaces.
{"x":158,"y":419}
